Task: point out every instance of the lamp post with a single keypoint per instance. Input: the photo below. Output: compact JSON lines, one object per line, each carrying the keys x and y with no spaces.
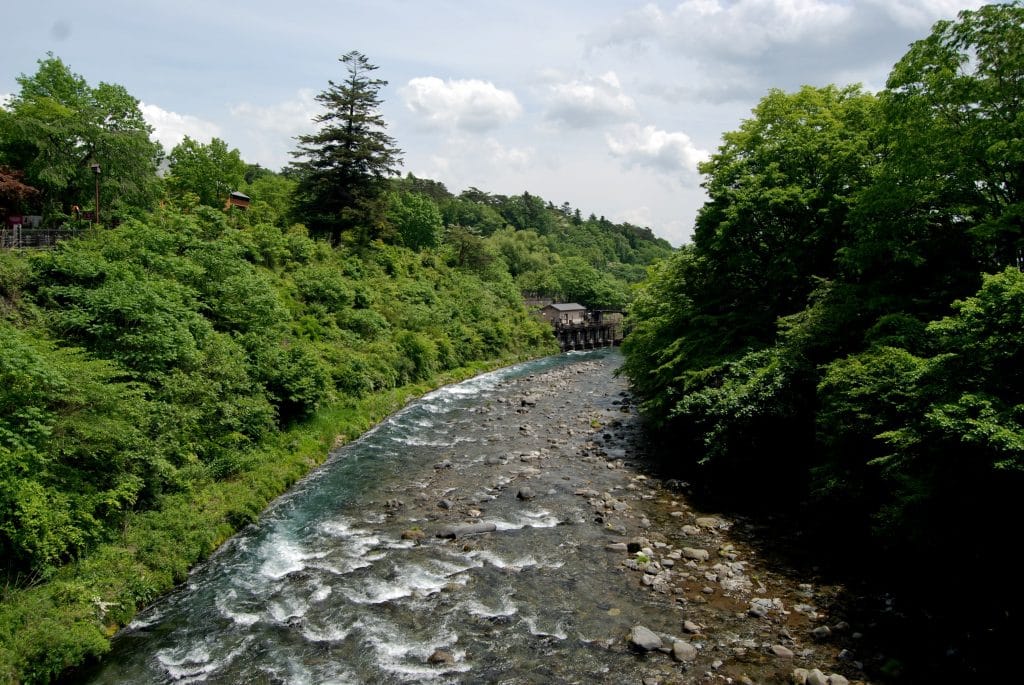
{"x":96,"y":172}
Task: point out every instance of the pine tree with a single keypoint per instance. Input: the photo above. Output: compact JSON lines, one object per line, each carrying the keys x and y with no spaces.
{"x":342,"y":168}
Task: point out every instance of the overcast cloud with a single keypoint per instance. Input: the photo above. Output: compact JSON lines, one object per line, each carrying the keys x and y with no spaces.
{"x":608,"y":105}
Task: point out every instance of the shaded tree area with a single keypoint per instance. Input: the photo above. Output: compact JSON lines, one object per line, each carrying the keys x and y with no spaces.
{"x":845,"y":331}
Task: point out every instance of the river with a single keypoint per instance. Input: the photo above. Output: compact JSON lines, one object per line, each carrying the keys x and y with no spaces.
{"x":345,"y":580}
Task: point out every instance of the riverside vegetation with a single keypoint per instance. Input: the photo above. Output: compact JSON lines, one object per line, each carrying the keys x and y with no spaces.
{"x":844,"y":335}
{"x":164,"y":376}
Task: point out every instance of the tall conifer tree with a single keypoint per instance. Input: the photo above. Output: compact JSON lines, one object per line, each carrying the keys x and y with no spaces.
{"x":341,"y":168}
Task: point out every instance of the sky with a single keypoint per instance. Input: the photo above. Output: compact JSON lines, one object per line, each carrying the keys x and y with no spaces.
{"x":607,"y":105}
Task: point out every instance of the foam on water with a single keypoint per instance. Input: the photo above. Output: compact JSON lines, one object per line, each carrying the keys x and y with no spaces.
{"x":480,"y":610}
{"x":196,"y":664}
{"x":497,"y":561}
{"x":558,"y":632}
{"x":283,"y":556}
{"x":529,"y":519}
{"x":401,"y":655}
{"x":224,"y":602}
{"x":407,"y":581}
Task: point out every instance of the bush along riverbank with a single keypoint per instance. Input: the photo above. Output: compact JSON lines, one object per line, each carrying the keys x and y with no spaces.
{"x":161,"y":382}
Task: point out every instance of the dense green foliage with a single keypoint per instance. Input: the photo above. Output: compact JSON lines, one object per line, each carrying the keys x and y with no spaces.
{"x":550,"y":251}
{"x":58,"y":125}
{"x":209,"y":171}
{"x":845,"y":330}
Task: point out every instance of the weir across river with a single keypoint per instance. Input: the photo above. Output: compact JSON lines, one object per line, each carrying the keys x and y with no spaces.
{"x":588,"y":335}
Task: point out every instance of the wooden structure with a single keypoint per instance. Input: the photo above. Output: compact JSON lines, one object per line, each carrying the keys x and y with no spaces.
{"x":578,"y":328}
{"x":564,"y":313}
{"x":237,"y":199}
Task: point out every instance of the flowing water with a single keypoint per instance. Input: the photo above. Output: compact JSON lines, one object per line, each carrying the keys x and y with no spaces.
{"x":325,"y":589}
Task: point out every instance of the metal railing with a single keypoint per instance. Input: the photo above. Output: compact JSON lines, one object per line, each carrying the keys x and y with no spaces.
{"x":36,"y":238}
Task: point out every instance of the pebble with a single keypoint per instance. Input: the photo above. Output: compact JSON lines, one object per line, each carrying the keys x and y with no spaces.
{"x":691,"y":627}
{"x":782,"y":652}
{"x":683,"y":651}
{"x":525,"y":493}
{"x":821,"y":633}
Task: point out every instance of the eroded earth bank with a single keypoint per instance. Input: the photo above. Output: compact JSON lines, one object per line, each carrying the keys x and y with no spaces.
{"x":500,"y":530}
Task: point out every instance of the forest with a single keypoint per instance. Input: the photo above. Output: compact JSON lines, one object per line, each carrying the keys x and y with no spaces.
{"x":843,"y":337}
{"x":174,"y":363}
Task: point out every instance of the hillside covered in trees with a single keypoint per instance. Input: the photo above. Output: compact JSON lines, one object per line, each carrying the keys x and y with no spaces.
{"x":845,"y":335}
{"x":170,"y":368}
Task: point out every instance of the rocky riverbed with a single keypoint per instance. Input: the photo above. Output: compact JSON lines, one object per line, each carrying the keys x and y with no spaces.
{"x":504,"y":530}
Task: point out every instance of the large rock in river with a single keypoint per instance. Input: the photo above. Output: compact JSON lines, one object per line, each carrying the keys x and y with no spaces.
{"x":458,"y":531}
{"x":644,"y":639}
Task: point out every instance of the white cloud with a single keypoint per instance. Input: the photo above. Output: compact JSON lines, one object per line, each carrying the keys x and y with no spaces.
{"x":5,"y":99}
{"x":469,"y":105}
{"x":730,"y":31}
{"x":169,"y":128}
{"x":919,"y":15}
{"x":590,"y":102}
{"x":734,"y":50}
{"x":664,"y":151}
{"x":288,"y":118}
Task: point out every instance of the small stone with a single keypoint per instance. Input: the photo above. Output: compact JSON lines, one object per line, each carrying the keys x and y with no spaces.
{"x":691,"y":627}
{"x":644,"y":639}
{"x":446,"y":464}
{"x":821,"y":633}
{"x":799,"y":676}
{"x":616,"y":547}
{"x":525,"y":493}
{"x":836,"y":679}
{"x":695,"y":553}
{"x":757,"y":611}
{"x":683,"y":651}
{"x":816,"y":677}
{"x":446,"y":504}
{"x":413,"y":534}
{"x":782,"y":652}
{"x":440,"y":657}
{"x":707,"y":522}
{"x":690,"y":531}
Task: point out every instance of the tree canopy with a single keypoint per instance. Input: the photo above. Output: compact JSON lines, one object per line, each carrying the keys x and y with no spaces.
{"x":209,"y":171}
{"x":844,"y":330}
{"x":58,"y":125}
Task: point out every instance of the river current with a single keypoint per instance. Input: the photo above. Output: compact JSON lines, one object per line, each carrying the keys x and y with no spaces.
{"x":325,"y":588}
